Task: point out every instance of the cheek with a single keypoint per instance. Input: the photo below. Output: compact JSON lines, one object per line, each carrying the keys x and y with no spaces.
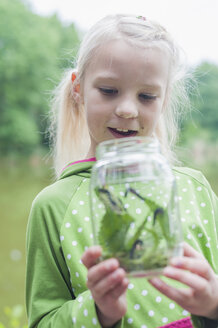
{"x":150,"y":118}
{"x":93,"y":102}
{"x":96,"y":109}
{"x":95,"y":115}
{"x":151,"y":113}
{"x":156,"y":117}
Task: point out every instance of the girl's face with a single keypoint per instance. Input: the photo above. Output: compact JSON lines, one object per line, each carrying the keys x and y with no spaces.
{"x":124,"y":91}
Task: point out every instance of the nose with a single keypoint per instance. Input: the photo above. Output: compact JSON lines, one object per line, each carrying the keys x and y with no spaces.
{"x":127,"y":108}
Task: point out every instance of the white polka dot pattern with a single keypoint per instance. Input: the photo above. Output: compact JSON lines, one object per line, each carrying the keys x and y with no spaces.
{"x":136,"y":306}
{"x":94,"y":321}
{"x":146,"y":307}
{"x":85,"y":312}
{"x":144,"y":292}
{"x":158,"y":299}
{"x":130,"y":286}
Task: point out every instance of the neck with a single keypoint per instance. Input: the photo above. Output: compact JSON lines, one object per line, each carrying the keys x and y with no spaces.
{"x":91,"y":153}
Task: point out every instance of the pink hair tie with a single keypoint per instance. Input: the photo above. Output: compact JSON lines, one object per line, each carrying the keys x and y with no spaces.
{"x":141,"y":17}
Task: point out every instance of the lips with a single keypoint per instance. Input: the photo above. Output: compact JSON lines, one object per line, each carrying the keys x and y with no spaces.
{"x":120,"y":133}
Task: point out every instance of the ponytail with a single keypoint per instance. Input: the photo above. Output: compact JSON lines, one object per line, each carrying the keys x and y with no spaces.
{"x":69,"y":135}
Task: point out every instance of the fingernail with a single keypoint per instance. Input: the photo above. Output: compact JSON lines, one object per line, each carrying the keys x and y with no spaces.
{"x":176,"y":261}
{"x":116,"y":274}
{"x":125,"y":281}
{"x":156,"y":282}
{"x":168,"y":271}
{"x":108,"y":266}
{"x":111,"y":265}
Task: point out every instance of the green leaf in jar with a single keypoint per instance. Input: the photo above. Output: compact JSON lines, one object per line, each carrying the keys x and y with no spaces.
{"x":114,"y":224}
{"x":113,"y":233}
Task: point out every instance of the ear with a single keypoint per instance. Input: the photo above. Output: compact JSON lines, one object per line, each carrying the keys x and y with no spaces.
{"x":76,"y":87}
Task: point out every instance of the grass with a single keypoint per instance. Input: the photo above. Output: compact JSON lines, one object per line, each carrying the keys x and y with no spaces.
{"x":20,"y":182}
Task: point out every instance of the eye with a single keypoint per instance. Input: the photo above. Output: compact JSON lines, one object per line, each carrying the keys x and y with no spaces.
{"x":147,"y":96}
{"x":108,"y":91}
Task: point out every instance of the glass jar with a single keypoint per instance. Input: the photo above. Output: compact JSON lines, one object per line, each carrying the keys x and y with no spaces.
{"x":135,"y":214}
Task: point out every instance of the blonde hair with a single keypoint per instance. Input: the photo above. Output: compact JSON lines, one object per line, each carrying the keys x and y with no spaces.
{"x":69,"y":133}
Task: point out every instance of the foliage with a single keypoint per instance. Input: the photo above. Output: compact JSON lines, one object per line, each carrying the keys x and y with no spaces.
{"x":134,"y":252}
{"x":198,"y":144}
{"x":203,"y":119}
{"x":207,"y":103}
{"x":33,"y":52}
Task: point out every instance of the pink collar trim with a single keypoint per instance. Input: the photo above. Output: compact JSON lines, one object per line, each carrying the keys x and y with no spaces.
{"x":81,"y":161}
{"x":184,"y":323}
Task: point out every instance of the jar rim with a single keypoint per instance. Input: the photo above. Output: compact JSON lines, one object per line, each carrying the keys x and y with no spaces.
{"x":131,"y":143}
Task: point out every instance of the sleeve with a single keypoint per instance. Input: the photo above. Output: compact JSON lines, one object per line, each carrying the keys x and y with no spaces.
{"x":214,"y":199}
{"x":214,"y":218}
{"x":201,"y":322}
{"x":49,"y":296}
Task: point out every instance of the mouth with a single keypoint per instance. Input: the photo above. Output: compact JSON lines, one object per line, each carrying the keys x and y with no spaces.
{"x":120,"y":133}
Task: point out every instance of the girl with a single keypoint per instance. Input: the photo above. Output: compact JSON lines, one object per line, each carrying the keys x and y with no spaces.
{"x":128,"y":73}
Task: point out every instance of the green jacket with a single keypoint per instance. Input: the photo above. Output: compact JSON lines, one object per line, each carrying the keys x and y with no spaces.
{"x":59,"y":231}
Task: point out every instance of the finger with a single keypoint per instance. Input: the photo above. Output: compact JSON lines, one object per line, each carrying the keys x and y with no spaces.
{"x":100,"y":270}
{"x":119,"y":289}
{"x":108,"y":283}
{"x":195,"y":265}
{"x":90,"y":256}
{"x":188,"y":278}
{"x":189,"y":251}
{"x":180,"y":296}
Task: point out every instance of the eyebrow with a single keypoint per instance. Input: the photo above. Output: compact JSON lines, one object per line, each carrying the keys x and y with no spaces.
{"x":111,"y":77}
{"x":155,"y":87}
{"x":107,"y":77}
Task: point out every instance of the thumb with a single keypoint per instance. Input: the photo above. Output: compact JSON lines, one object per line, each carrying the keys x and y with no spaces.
{"x":91,"y":255}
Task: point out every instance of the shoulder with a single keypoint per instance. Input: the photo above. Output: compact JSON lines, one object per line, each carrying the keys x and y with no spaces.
{"x":60,"y":191}
{"x":191,"y":176}
{"x":50,"y":205}
{"x":193,"y":183}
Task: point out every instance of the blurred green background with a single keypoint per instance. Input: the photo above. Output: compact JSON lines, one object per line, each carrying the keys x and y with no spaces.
{"x":34,"y":50}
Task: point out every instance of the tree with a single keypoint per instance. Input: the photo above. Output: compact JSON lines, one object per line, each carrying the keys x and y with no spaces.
{"x":33,"y":51}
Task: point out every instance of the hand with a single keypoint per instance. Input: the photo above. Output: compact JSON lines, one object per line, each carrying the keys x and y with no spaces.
{"x":107,"y":283}
{"x":193,"y":270}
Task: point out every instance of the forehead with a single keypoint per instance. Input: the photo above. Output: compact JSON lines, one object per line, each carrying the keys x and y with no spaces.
{"x":123,"y":59}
